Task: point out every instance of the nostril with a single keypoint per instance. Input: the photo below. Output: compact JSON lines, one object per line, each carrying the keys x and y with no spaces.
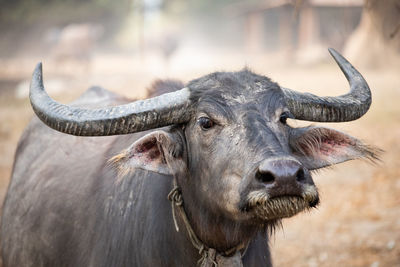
{"x":300,"y":177}
{"x":265,"y":177}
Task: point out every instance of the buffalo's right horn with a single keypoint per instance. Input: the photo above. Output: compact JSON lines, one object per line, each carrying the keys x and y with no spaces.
{"x":141,"y":115}
{"x":348,"y":107}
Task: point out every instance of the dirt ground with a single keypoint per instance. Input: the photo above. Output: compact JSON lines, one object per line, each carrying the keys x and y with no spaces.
{"x":358,"y":220}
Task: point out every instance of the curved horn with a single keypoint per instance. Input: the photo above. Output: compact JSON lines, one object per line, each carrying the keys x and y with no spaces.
{"x":348,"y":107}
{"x":137,"y":116}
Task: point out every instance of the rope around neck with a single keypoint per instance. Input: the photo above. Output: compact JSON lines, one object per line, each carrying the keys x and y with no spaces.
{"x":208,"y":255}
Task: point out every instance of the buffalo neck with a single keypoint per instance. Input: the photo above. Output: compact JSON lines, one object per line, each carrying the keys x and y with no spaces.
{"x":214,"y":229}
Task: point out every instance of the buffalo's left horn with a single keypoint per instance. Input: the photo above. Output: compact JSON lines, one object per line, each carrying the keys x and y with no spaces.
{"x":348,"y":107}
{"x":141,"y":115}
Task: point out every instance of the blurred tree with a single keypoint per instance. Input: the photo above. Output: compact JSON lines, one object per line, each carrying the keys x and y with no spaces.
{"x":376,"y":41}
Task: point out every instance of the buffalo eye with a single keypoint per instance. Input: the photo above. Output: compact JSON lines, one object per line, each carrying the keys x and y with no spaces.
{"x":205,"y":123}
{"x":284,"y":116}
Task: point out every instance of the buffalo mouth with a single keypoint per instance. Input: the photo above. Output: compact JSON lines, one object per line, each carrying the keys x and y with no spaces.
{"x":266,"y":208}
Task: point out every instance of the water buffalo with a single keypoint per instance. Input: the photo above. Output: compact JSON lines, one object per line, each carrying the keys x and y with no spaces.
{"x":204,"y":189}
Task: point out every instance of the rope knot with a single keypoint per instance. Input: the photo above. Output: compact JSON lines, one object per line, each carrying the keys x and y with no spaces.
{"x":175,"y":196}
{"x":208,"y":257}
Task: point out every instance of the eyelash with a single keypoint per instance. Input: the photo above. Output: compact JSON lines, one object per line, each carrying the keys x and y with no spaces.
{"x":283,"y":118}
{"x":205,"y":123}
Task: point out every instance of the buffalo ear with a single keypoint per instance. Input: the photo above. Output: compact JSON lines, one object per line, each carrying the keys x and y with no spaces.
{"x":318,"y":147}
{"x":158,"y":151}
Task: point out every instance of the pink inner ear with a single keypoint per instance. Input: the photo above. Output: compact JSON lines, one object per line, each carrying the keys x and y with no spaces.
{"x":318,"y":147}
{"x":149,"y":150}
{"x":324,"y":142}
{"x":147,"y":153}
{"x":330,"y":146}
{"x":146,"y":146}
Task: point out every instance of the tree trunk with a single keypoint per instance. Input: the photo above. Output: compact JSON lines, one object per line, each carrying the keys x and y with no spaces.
{"x":376,"y":41}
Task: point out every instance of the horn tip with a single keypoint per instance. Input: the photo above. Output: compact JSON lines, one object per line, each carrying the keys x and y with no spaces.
{"x":38,"y":67}
{"x":332,"y":50}
{"x":37,"y":81}
{"x":38,"y":70}
{"x":337,"y":56}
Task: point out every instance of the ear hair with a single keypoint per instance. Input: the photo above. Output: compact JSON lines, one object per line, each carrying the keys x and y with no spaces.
{"x":330,"y":146}
{"x":118,"y":163}
{"x":159,"y":151}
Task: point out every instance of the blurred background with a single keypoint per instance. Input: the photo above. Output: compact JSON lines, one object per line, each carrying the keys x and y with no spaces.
{"x":124,"y":45}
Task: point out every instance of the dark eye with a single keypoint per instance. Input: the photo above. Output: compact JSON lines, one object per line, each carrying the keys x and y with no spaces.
{"x":205,"y":123}
{"x":284,"y":116}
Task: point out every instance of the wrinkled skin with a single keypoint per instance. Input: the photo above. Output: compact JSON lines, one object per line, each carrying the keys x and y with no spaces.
{"x":246,"y":131}
{"x":66,"y":206}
